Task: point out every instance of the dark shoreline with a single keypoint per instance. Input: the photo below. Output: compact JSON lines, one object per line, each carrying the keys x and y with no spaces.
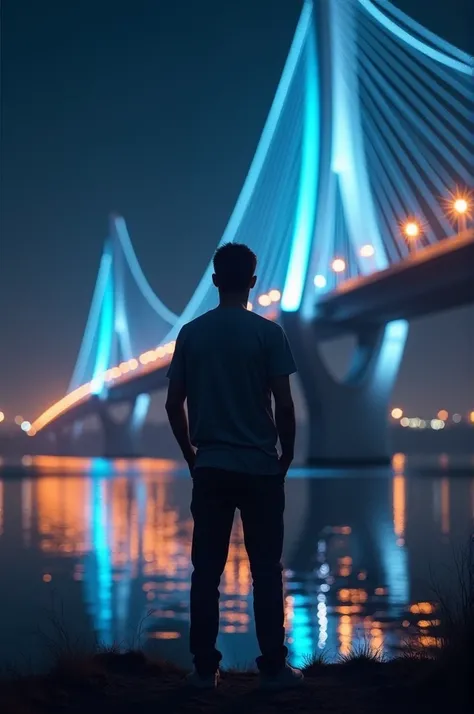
{"x":131,"y":682}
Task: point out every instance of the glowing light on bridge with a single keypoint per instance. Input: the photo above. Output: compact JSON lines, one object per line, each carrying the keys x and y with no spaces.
{"x":2,"y":417}
{"x":461,"y":205}
{"x":338,"y":265}
{"x":320,"y":282}
{"x":162,"y":353}
{"x":442,"y":414}
{"x":412,"y":230}
{"x":367,"y":251}
{"x":397,"y":413}
{"x":264,"y":300}
{"x":25,"y":425}
{"x":274,"y":295}
{"x":459,"y":208}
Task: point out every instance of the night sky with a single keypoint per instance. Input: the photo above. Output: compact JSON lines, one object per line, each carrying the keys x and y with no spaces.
{"x":153,"y":109}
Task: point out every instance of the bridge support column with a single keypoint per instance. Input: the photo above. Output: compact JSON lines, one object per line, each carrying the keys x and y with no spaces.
{"x":65,"y":440}
{"x":348,"y":420}
{"x":122,"y":438}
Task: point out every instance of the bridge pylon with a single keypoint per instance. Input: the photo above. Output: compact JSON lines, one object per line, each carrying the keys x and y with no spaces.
{"x":348,"y":420}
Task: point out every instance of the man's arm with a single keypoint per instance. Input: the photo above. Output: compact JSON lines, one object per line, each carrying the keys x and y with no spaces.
{"x":178,"y":419}
{"x":284,"y":419}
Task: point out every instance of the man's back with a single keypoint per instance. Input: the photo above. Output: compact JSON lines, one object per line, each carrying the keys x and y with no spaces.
{"x":227,"y":358}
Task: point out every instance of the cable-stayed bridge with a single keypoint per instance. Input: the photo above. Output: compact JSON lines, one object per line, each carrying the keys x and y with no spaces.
{"x":357,"y":203}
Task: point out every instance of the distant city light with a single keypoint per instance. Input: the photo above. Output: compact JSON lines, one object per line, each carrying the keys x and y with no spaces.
{"x":264,"y":300}
{"x":457,"y":418}
{"x":320,"y":281}
{"x":26,"y":425}
{"x":19,"y":420}
{"x":249,"y":306}
{"x":397,"y":413}
{"x":367,"y":251}
{"x":338,"y":265}
{"x":404,"y":422}
{"x":471,"y":417}
{"x":437,"y":424}
{"x":274,"y":295}
{"x":2,"y":417}
{"x":442,"y":414}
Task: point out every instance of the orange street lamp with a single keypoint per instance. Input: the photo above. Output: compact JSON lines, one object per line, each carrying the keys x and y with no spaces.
{"x":411,"y":229}
{"x":461,"y":211}
{"x":458,"y":207}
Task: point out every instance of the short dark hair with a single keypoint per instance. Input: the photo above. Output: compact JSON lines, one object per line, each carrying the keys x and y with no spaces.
{"x":234,"y":266}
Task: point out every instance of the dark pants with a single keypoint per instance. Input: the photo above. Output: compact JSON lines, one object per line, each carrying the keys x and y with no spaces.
{"x":261,"y":501}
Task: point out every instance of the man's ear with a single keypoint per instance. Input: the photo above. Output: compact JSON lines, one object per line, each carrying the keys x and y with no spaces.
{"x":253,"y":281}
{"x":214,"y":280}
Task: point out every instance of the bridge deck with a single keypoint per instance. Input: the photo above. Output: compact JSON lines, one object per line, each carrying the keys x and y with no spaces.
{"x":437,"y":278}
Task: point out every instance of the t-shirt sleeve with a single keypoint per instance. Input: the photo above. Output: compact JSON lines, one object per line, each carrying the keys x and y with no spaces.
{"x":280,"y":358}
{"x":176,"y":370}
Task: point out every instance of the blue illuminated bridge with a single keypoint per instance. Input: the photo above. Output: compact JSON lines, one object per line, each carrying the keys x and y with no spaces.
{"x":358,"y":203}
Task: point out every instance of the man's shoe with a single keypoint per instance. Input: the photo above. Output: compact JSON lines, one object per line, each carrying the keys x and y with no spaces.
{"x":193,"y":679}
{"x":287,"y":678}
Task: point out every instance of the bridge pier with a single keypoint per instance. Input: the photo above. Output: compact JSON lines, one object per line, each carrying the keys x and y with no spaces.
{"x":64,"y":440}
{"x":120,"y":439}
{"x":348,"y":420}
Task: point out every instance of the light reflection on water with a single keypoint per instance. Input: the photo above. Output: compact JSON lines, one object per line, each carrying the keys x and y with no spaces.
{"x":109,"y":542}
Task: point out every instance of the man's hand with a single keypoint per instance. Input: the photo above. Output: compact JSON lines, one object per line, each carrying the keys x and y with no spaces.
{"x":191,"y":461}
{"x":285,"y":463}
{"x":179,"y":421}
{"x":285,"y":420}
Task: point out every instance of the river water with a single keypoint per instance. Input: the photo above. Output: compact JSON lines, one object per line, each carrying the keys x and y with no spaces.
{"x":100,"y":549}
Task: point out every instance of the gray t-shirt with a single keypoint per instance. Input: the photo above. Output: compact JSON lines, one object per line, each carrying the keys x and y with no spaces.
{"x":226,"y":358}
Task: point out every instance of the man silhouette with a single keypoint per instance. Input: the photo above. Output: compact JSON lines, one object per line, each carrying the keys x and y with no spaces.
{"x":227,"y":364}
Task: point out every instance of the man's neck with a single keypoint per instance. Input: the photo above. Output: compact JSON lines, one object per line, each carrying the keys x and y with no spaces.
{"x":233,"y":300}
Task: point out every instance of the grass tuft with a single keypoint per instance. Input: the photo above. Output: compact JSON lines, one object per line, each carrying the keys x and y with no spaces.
{"x":315,"y":663}
{"x":362,"y":655}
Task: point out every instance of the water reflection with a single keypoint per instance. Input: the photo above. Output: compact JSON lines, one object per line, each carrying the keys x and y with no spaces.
{"x":112,"y":540}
